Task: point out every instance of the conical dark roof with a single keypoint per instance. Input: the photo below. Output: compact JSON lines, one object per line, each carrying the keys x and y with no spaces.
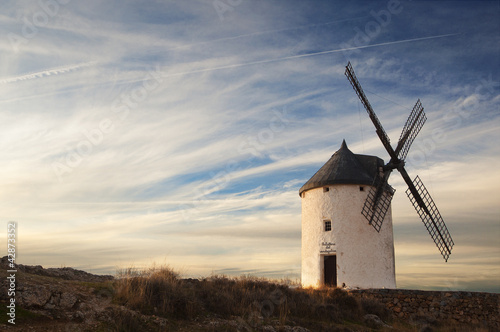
{"x":345,"y":167}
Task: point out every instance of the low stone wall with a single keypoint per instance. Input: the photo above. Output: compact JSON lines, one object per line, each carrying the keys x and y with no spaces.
{"x":472,"y":308}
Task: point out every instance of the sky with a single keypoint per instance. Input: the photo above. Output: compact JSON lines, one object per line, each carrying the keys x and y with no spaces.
{"x":178,"y":133}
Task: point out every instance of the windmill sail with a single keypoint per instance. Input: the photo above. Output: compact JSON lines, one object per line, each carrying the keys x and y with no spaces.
{"x":377,"y":204}
{"x":380,"y":195}
{"x":411,"y":129}
{"x":428,"y":212}
{"x":349,"y":72}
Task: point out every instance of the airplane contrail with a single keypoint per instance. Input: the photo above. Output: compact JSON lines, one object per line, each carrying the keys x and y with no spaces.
{"x":257,"y":33}
{"x":307,"y":55}
{"x":47,"y":72}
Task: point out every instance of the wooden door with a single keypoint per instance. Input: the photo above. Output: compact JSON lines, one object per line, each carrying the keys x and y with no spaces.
{"x":330,"y":268}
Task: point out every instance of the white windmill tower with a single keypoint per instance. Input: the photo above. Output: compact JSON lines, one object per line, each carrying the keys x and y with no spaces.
{"x":338,"y":248}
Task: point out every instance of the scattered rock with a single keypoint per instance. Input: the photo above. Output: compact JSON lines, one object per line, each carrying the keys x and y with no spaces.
{"x":426,"y":329}
{"x":33,"y":297}
{"x":287,"y":328}
{"x":374,"y":321}
{"x":66,"y":273}
{"x":300,"y":329}
{"x":67,"y":300}
{"x":78,"y":316}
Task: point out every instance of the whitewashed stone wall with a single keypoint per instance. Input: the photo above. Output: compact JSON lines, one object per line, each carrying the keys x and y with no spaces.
{"x":365,"y":258}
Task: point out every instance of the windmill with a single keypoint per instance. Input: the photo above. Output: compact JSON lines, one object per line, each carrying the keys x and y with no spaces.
{"x":379,"y":198}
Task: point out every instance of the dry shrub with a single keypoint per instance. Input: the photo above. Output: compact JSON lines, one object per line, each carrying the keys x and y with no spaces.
{"x":327,"y":304}
{"x":369,"y":306}
{"x":156,"y":291}
{"x":218,"y":295}
{"x":125,"y":321}
{"x":160,"y":291}
{"x":240,"y":296}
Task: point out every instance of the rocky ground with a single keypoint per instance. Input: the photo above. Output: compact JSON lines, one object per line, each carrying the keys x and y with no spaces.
{"x":56,"y":299}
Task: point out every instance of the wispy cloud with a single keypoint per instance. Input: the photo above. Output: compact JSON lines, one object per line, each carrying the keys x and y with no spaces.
{"x":46,"y":72}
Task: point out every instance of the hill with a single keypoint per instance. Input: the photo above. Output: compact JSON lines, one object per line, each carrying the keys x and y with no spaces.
{"x":66,"y":299}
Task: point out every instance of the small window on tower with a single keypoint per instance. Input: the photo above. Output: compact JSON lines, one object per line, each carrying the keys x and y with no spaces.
{"x":325,"y":189}
{"x":328,"y":225}
{"x":361,"y":188}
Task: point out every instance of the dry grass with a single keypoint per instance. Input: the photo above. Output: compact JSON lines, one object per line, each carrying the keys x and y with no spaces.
{"x":155,"y":291}
{"x":160,"y":291}
{"x":252,"y":301}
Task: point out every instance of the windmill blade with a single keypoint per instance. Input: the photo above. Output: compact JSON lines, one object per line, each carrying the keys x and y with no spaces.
{"x":378,"y":201}
{"x":410,"y":130}
{"x":428,"y":212}
{"x":349,"y":72}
